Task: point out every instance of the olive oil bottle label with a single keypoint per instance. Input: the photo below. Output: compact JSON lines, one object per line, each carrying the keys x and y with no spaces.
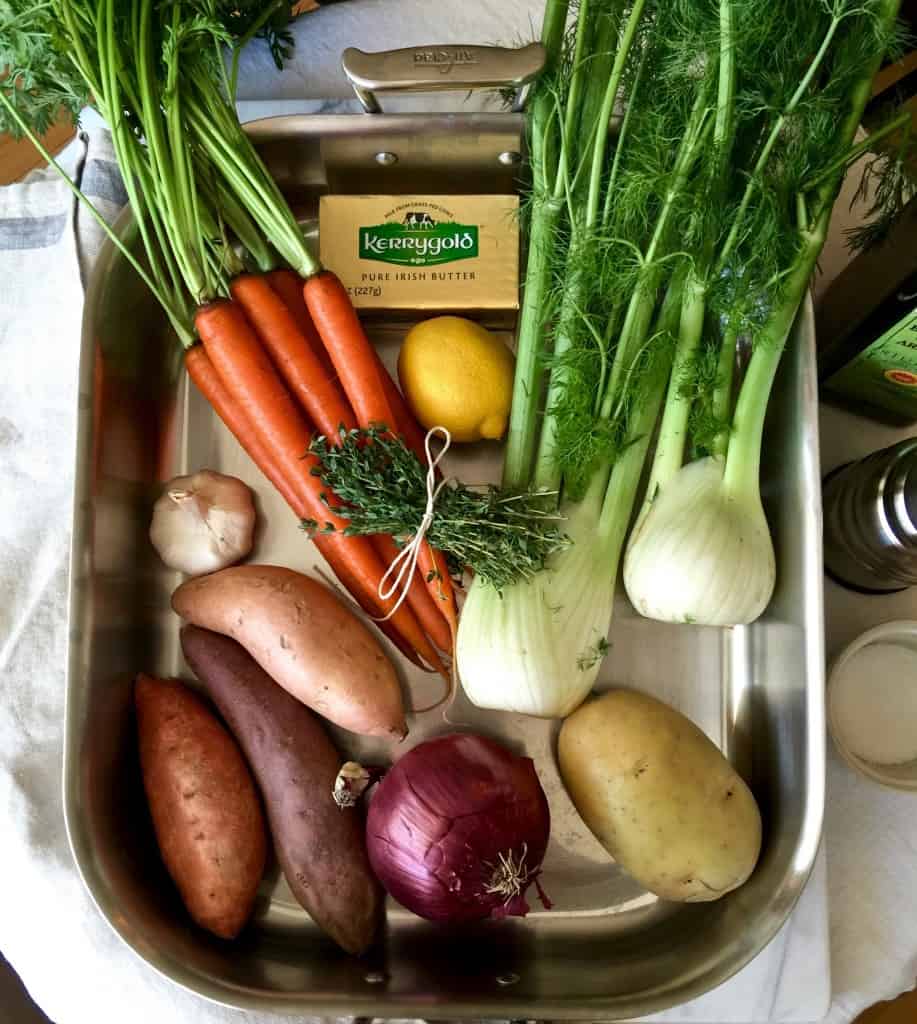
{"x":884,"y":374}
{"x":423,"y":252}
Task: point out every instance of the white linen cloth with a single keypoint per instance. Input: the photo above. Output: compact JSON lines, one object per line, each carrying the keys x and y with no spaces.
{"x":871,"y":837}
{"x":73,"y":965}
{"x":870,"y":831}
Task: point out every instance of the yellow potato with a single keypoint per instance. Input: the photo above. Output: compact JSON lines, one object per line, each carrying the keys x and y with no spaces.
{"x":660,"y":796}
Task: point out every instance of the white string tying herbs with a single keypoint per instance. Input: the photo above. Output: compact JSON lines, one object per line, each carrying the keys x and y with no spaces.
{"x":405,"y":562}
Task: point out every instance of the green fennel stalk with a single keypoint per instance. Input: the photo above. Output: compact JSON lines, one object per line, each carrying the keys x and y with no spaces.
{"x":767,"y":242}
{"x":582,"y":210}
{"x":543,"y":216}
{"x":744,"y":450}
{"x":705,"y":217}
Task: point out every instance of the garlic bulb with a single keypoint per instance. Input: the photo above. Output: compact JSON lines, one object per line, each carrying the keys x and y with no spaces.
{"x":702,"y":553}
{"x":202,"y":523}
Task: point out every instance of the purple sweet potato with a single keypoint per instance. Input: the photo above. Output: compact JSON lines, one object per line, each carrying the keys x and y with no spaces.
{"x":321,"y":848}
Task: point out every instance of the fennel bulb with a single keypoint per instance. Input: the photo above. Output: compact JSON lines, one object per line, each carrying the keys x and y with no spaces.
{"x":649,"y":253}
{"x":536,"y":646}
{"x":702,"y":552}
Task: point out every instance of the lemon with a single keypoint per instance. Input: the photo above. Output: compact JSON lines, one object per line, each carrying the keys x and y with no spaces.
{"x":456,"y":374}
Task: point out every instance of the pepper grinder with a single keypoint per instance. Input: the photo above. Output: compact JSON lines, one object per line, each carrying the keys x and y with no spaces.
{"x":870,"y":519}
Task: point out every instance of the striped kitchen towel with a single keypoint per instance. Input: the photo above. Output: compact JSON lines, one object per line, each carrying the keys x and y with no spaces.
{"x":41,"y":213}
{"x":47,"y":246}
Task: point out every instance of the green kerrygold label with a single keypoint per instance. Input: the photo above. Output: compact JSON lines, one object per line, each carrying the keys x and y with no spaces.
{"x":418,"y":240}
{"x":421,"y":252}
{"x":885,"y":373}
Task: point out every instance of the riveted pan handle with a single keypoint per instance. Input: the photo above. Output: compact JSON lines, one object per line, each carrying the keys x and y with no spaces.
{"x":440,"y":68}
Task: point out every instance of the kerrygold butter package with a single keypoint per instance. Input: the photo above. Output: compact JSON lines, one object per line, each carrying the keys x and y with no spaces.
{"x":405,"y":253}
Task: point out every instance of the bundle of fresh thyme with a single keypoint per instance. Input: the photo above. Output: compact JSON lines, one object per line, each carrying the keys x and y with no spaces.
{"x":500,"y":536}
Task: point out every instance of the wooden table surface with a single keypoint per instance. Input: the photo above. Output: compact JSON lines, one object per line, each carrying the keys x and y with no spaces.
{"x":18,"y":157}
{"x":902,"y":1010}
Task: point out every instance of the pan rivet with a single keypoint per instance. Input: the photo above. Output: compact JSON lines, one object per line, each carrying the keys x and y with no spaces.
{"x":509,"y":158}
{"x":386,"y":159}
{"x":375,"y":977}
{"x":507,"y":979}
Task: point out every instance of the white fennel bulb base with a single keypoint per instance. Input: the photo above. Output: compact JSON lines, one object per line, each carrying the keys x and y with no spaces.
{"x":536,"y":646}
{"x":702,"y":553}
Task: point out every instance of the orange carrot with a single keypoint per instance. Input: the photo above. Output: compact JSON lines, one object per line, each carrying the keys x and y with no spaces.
{"x":339,"y":566}
{"x":418,"y":596}
{"x":375,"y":399}
{"x":409,"y":430}
{"x":268,"y":411}
{"x":202,"y":372}
{"x":262,"y":400}
{"x":288,"y":285}
{"x":345,"y":341}
{"x":273,"y":322}
{"x":432,"y":566}
{"x":431,"y":563}
{"x":346,"y":554}
{"x":372,"y":394}
{"x":435,"y":572}
{"x":292,"y":354}
{"x":333,"y":548}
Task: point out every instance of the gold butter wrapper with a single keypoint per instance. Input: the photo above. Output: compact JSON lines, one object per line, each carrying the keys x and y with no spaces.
{"x":443,"y":253}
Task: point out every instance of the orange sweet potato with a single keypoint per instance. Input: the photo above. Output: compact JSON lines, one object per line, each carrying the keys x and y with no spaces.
{"x":205,"y":808}
{"x":305,"y":640}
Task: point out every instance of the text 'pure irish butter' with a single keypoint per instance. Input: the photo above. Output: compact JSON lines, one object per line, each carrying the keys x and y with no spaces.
{"x":422,"y":252}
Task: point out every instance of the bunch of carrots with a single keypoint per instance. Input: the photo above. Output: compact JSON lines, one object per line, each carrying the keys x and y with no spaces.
{"x":282,"y":359}
{"x":278,"y":353}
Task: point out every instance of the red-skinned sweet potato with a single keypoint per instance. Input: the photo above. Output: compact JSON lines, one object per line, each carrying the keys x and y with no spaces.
{"x":205,"y":808}
{"x":321,"y":848}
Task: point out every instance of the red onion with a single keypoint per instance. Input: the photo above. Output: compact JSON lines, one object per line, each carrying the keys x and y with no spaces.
{"x":458,"y":828}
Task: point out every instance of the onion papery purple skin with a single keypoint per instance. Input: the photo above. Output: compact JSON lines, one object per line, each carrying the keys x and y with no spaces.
{"x":453,"y":819}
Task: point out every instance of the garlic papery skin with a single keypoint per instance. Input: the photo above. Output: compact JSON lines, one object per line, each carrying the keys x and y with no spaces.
{"x":703,"y":553}
{"x":536,"y":646}
{"x":203,"y":522}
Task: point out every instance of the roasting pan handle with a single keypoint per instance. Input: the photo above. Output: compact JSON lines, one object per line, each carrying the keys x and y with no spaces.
{"x":440,"y":68}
